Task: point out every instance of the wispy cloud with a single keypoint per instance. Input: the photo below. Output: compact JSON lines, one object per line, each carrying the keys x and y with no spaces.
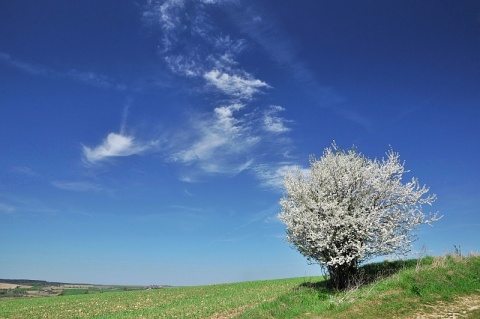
{"x":232,"y":239}
{"x":25,"y":170}
{"x":30,"y":68}
{"x":115,"y":145}
{"x":78,"y":186}
{"x":5,"y":208}
{"x":273,"y":219}
{"x":226,"y":140}
{"x":89,"y":78}
{"x":19,"y":204}
{"x":215,"y":143}
{"x":263,"y":30}
{"x":264,"y":216}
{"x":209,"y":53}
{"x":187,"y":208}
{"x":173,"y":19}
{"x":229,"y":45}
{"x":185,"y":65}
{"x":168,"y":15}
{"x":355,"y":117}
{"x":93,"y":79}
{"x":271,"y":175}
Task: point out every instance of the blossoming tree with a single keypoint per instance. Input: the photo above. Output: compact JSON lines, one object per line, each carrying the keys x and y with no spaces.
{"x":349,"y":209}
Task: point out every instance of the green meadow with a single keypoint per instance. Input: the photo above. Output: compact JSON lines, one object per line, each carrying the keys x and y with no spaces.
{"x":446,"y":286}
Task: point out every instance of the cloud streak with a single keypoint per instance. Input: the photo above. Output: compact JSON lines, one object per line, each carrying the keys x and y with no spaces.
{"x":5,"y":208}
{"x":89,"y":78}
{"x":271,"y":176}
{"x":20,"y":204}
{"x":77,"y":186}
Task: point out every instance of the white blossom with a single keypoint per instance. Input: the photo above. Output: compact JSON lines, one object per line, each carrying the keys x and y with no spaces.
{"x":348,"y":209}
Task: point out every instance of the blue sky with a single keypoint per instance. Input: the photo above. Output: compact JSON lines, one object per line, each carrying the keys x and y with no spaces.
{"x":144,"y":142}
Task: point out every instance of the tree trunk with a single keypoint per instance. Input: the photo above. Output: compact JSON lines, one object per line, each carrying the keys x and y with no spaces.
{"x":342,"y":276}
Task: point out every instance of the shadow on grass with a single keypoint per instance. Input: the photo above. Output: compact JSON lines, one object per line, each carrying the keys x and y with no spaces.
{"x":317,"y":297}
{"x":366,"y":274}
{"x":375,"y":271}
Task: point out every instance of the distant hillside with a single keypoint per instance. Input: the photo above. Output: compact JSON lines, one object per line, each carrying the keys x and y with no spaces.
{"x":19,"y":288}
{"x":29,"y":282}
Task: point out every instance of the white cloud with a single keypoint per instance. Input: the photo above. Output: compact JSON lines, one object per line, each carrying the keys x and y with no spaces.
{"x":187,"y":179}
{"x":212,"y":134}
{"x":230,"y":140}
{"x":218,"y":144}
{"x":208,"y":52}
{"x":77,"y":186}
{"x":115,"y":145}
{"x":225,"y":119}
{"x":234,"y":85}
{"x":274,"y":123}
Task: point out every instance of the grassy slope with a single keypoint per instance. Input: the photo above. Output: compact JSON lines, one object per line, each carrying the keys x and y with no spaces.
{"x":412,"y":290}
{"x":418,"y":288}
{"x":189,"y":302}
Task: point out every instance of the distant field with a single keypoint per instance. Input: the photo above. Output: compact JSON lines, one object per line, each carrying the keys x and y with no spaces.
{"x":215,"y":301}
{"x":441,"y":287}
{"x":36,"y":288}
{"x":10,"y":286}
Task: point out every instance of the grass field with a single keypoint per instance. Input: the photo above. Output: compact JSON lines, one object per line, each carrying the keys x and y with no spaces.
{"x":447,"y":285}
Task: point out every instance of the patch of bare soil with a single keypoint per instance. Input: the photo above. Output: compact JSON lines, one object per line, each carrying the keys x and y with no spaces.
{"x":461,"y":307}
{"x":43,"y":293}
{"x":7,"y":286}
{"x":4,"y":285}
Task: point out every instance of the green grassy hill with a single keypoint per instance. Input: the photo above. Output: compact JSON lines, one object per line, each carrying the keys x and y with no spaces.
{"x":430,"y":287}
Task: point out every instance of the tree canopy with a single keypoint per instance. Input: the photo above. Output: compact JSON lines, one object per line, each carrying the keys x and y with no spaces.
{"x":348,"y":209}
